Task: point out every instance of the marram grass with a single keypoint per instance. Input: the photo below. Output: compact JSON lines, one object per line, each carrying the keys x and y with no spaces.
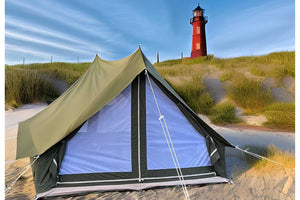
{"x":224,"y":113}
{"x":26,"y":87}
{"x":285,"y":158}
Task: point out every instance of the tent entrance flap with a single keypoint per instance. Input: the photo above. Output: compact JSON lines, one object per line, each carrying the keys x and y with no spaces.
{"x":190,"y":146}
{"x":102,"y":145}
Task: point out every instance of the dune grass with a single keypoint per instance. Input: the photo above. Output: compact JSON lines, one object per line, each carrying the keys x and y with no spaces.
{"x":286,"y":158}
{"x":186,"y":77}
{"x":193,"y":92}
{"x":276,"y":64}
{"x":247,"y":94}
{"x":228,"y":75}
{"x":188,"y":83}
{"x":26,"y":87}
{"x":29,"y":83}
{"x":224,"y":113}
{"x":68,"y":72}
{"x":280,"y":116}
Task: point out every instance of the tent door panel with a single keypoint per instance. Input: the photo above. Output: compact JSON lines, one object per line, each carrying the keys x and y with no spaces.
{"x":103,"y":144}
{"x":189,"y":145}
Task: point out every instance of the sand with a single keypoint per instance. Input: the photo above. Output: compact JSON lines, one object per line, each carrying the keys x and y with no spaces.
{"x":248,"y":183}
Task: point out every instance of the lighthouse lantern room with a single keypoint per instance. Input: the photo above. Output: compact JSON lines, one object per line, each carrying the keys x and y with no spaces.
{"x":199,"y":39}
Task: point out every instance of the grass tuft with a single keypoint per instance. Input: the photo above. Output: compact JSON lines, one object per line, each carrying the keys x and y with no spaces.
{"x":247,"y":93}
{"x":194,"y":93}
{"x":286,"y":158}
{"x":224,"y":114}
{"x":280,"y":115}
{"x":257,"y":71}
{"x":226,"y":76}
{"x":26,"y":87}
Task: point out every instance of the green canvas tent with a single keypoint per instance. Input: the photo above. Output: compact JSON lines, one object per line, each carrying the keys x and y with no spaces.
{"x":120,"y":126}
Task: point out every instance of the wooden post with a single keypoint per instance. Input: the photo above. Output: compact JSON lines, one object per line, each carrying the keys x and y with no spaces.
{"x":77,"y":59}
{"x":181,"y":55}
{"x":157,"y":57}
{"x":23,"y":60}
{"x":51,"y":59}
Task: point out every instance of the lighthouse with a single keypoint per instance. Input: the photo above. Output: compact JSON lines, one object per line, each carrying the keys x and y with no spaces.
{"x":199,"y":39}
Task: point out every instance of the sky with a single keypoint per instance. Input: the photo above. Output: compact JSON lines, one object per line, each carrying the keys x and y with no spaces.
{"x":66,"y":30}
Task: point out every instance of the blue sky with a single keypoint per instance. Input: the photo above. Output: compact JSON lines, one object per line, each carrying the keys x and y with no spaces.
{"x":64,"y":29}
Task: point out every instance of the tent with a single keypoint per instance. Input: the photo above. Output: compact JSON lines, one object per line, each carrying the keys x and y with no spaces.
{"x":110,"y":131}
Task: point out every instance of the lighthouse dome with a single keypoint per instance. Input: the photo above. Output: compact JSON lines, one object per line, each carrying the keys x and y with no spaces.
{"x":198,"y":8}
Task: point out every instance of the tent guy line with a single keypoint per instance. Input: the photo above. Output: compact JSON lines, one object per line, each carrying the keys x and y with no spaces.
{"x":23,"y":172}
{"x":169,"y":141}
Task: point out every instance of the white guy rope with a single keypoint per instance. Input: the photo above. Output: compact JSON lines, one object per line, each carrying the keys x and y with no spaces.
{"x":169,"y":142}
{"x":24,"y":171}
{"x":256,"y":155}
{"x":177,"y":167}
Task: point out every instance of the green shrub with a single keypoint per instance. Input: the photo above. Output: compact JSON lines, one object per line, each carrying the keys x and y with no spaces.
{"x":224,"y":114}
{"x":247,"y":93}
{"x":280,"y":115}
{"x":193,"y":92}
{"x":203,"y":104}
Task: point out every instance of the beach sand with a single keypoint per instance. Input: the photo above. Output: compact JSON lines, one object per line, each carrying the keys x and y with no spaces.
{"x":248,"y":183}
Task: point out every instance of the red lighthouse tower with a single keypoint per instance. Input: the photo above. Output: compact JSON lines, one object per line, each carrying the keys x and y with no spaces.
{"x":199,"y":39}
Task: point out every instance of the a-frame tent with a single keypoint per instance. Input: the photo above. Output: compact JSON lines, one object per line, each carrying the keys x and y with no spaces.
{"x":108,"y":132}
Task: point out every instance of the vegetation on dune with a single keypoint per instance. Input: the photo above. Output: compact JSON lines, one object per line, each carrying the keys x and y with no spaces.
{"x":30,"y":83}
{"x":224,"y":114}
{"x":68,"y":72}
{"x":286,"y":158}
{"x":194,"y":93}
{"x":281,"y":115}
{"x":26,"y":87}
{"x":227,"y":75}
{"x":243,"y":77}
{"x":248,"y":94}
{"x":276,"y":64}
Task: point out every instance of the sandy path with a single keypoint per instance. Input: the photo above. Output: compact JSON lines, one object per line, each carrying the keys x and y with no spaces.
{"x":24,"y":188}
{"x":241,"y":137}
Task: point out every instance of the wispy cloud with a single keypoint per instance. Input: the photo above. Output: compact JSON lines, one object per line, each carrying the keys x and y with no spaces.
{"x":22,"y":27}
{"x":67,"y":29}
{"x":41,"y":41}
{"x":78,"y":21}
{"x":18,"y":49}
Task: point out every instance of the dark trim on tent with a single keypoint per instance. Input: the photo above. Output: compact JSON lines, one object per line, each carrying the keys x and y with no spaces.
{"x":143,"y":124}
{"x":154,"y":176}
{"x":134,"y":127}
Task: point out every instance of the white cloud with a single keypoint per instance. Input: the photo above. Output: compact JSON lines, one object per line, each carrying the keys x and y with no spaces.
{"x":41,"y":41}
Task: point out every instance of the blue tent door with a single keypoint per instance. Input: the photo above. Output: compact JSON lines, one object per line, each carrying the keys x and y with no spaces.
{"x":103,"y":144}
{"x":189,"y":145}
